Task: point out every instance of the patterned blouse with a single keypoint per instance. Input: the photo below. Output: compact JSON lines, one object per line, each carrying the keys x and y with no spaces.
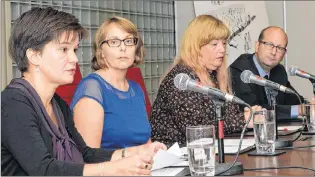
{"x":173,"y":110}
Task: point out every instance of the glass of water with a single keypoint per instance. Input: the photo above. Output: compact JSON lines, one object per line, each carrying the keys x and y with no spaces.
{"x":310,"y":117}
{"x":265,"y":131}
{"x":201,"y":150}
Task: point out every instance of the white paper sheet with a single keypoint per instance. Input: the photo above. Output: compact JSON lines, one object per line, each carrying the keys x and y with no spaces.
{"x":167,"y":158}
{"x":166,"y":172}
{"x":288,"y":128}
{"x":235,"y":142}
{"x":175,"y":149}
{"x":181,"y":164}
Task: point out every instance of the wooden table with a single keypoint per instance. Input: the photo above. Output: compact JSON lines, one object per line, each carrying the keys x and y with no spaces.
{"x":298,"y":157}
{"x":304,"y":157}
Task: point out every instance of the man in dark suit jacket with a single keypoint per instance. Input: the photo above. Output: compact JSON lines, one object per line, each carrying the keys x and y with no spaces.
{"x":265,"y":62}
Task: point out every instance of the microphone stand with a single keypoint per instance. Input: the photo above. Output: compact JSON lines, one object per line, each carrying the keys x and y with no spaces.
{"x":220,"y":132}
{"x":221,"y":165}
{"x":313,"y":83}
{"x":283,"y":143}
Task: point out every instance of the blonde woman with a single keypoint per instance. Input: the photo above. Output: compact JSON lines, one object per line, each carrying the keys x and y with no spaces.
{"x":109,"y":110}
{"x":203,"y":58}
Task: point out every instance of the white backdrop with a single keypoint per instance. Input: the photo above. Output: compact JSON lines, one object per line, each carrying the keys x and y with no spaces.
{"x":245,"y":19}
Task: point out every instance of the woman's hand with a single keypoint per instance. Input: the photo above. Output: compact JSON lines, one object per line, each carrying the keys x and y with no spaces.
{"x":247,"y":114}
{"x":151,"y":148}
{"x":146,"y":149}
{"x":133,"y":165}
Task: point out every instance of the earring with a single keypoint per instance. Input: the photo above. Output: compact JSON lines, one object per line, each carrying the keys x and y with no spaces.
{"x":36,"y":69}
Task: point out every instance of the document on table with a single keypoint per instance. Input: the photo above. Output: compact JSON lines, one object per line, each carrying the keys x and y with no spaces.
{"x":289,"y":128}
{"x":167,"y":158}
{"x":173,"y":157}
{"x":230,"y":145}
{"x":166,"y":172}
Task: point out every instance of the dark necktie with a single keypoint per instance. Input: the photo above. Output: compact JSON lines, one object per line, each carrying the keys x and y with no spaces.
{"x":266,"y":77}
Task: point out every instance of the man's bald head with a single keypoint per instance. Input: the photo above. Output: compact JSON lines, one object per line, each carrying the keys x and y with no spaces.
{"x":271,"y":47}
{"x":271,"y":29}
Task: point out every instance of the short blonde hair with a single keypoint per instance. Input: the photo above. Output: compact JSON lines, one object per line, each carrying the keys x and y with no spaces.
{"x":97,"y":61}
{"x":200,"y":32}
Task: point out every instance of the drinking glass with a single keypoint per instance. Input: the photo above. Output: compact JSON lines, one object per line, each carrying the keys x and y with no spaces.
{"x":201,"y":150}
{"x":265,"y":131}
{"x":310,"y":117}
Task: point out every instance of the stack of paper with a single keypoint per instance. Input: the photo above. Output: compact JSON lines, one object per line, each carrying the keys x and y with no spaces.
{"x":166,"y":172}
{"x":172,"y":156}
{"x":289,"y":128}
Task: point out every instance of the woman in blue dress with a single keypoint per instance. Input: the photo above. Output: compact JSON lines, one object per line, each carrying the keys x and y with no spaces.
{"x":109,"y":110}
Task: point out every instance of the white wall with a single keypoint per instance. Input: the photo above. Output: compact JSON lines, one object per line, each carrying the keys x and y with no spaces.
{"x":300,"y":27}
{"x":184,"y":13}
{"x":301,"y":33}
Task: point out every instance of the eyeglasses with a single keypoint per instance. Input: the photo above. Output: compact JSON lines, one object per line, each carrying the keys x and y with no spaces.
{"x":270,"y":46}
{"x":117,"y":42}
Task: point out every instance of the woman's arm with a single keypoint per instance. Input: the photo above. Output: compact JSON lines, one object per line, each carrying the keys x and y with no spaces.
{"x":88,"y":116}
{"x":95,"y":155}
{"x":133,"y":165}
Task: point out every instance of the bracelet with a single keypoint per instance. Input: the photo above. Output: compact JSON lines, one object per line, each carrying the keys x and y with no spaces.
{"x":123,"y":153}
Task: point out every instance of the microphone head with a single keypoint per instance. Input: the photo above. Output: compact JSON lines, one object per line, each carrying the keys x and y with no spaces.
{"x":181,"y":81}
{"x":245,"y":76}
{"x":292,"y":70}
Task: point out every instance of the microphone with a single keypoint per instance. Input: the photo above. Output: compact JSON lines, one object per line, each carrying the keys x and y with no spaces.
{"x":248,"y":77}
{"x":295,"y":71}
{"x":183,"y":82}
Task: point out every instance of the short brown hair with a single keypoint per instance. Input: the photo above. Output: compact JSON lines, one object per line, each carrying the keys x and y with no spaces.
{"x":129,"y":27}
{"x":37,"y":27}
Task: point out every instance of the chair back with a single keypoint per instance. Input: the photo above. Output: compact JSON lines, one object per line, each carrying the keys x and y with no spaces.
{"x":135,"y":75}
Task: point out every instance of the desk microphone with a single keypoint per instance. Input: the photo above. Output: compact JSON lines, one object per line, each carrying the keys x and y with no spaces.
{"x":248,"y":77}
{"x":295,"y":71}
{"x":183,"y":82}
